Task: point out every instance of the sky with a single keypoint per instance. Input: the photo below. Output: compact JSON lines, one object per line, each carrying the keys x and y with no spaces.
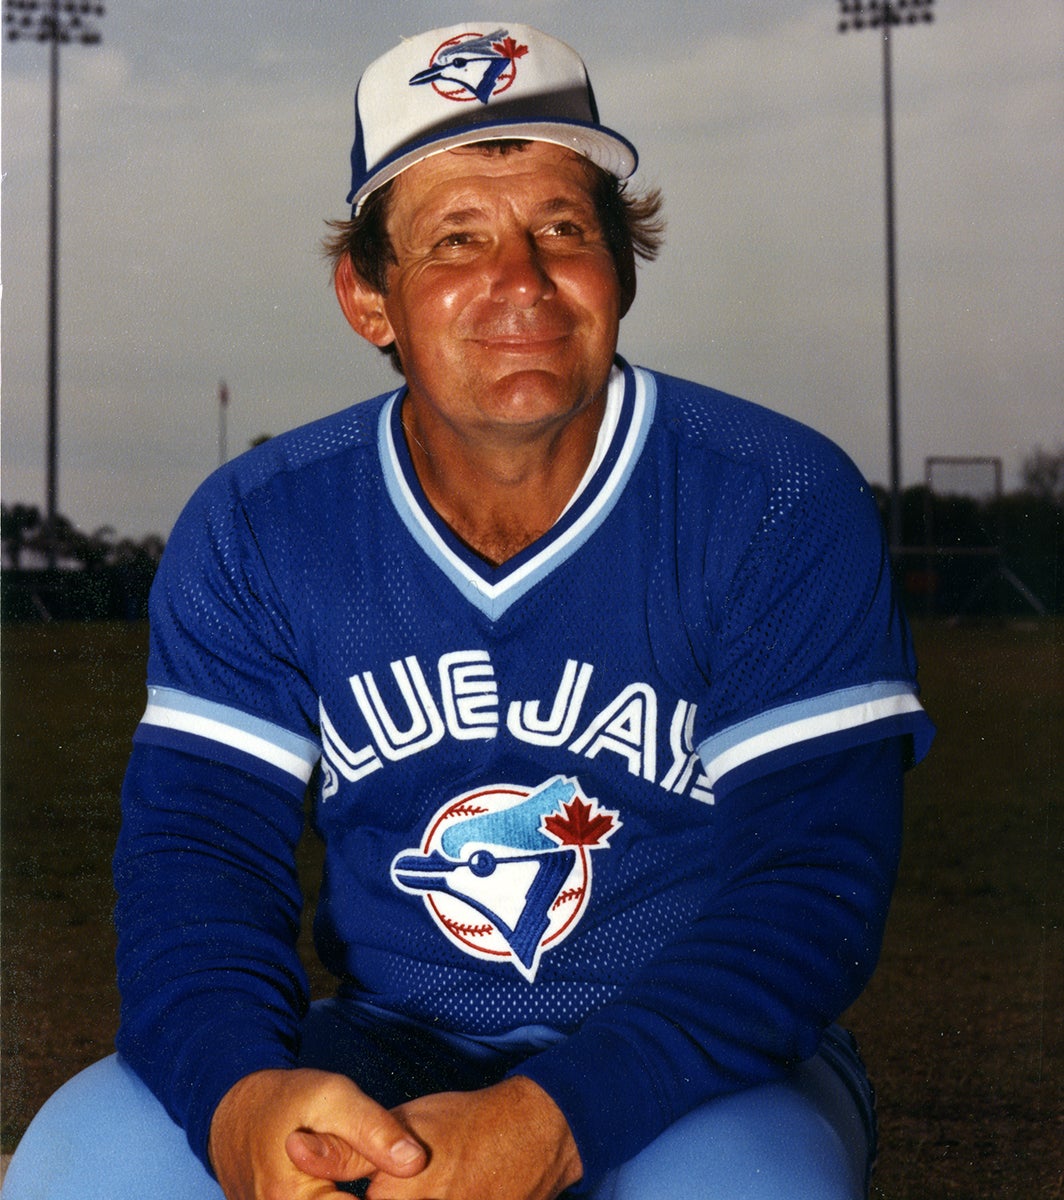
{"x":203,"y":146}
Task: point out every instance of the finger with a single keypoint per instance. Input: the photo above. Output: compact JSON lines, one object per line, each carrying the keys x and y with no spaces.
{"x":329,"y":1156}
{"x":324,"y":1156}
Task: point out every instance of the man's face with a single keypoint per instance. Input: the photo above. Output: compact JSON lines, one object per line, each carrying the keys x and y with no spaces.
{"x":504,"y":302}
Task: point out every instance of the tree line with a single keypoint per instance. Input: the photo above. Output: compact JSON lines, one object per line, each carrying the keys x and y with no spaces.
{"x":27,"y":536}
{"x":961,"y":554}
{"x":54,"y":571}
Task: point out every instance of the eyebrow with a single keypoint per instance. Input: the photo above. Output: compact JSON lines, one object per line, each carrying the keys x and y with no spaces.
{"x":562,"y":204}
{"x":557,"y":204}
{"x":459,"y":216}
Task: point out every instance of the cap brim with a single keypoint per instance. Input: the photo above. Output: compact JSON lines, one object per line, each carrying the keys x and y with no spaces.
{"x":604,"y":147}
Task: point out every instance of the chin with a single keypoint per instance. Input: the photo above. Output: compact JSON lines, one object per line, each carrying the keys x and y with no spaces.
{"x":533,"y":395}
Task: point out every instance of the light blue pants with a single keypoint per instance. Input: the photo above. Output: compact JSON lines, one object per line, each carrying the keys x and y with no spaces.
{"x":809,"y":1137}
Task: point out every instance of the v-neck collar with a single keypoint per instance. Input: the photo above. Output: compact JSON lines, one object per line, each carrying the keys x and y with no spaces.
{"x":493,"y":590}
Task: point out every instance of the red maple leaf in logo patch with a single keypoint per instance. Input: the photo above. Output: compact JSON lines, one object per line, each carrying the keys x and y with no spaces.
{"x":581,"y":825}
{"x":508,"y":48}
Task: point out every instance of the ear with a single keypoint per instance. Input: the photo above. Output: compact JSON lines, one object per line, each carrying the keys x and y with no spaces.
{"x":362,"y":306}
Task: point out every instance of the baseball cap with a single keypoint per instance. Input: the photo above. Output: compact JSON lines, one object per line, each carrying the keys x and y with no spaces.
{"x":469,"y":83}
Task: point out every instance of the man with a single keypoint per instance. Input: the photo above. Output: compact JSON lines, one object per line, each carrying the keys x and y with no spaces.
{"x":605,"y":698}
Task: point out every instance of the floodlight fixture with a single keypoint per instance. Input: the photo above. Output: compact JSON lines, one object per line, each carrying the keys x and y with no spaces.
{"x":57,"y":22}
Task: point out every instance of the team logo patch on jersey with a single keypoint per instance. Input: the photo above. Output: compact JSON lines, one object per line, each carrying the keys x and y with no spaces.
{"x":505,"y":871}
{"x":473,"y":66}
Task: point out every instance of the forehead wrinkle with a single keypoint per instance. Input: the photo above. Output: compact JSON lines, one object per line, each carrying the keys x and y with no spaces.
{"x":551,"y":206}
{"x":461,"y":216}
{"x":562,"y":204}
{"x":474,"y":196}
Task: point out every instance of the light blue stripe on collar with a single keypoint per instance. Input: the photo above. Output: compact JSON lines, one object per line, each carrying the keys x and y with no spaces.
{"x":494,"y":589}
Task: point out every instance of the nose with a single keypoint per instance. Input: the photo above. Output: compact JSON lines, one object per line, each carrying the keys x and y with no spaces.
{"x":521,"y":277}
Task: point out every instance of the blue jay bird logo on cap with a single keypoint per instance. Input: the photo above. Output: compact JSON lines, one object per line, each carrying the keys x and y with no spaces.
{"x":473,"y":66}
{"x":505,"y":871}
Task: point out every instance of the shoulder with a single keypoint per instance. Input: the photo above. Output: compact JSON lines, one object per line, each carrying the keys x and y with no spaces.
{"x":755,"y":467}
{"x":278,"y":496}
{"x":295,"y":466}
{"x":340,"y":438}
{"x":760,"y":488}
{"x":728,"y":429}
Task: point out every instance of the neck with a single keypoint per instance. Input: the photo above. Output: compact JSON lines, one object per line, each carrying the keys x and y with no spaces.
{"x":499,"y":492}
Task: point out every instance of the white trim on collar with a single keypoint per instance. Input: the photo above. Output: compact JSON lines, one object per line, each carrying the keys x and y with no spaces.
{"x":630,"y":405}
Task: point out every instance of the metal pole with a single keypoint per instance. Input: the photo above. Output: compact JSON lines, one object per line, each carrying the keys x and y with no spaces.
{"x":882,"y":14}
{"x":223,"y":407}
{"x":892,"y":298}
{"x":52,"y":460}
{"x":45,"y":21}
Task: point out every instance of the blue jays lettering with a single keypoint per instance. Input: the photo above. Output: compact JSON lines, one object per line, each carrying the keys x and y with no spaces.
{"x":652,"y":739}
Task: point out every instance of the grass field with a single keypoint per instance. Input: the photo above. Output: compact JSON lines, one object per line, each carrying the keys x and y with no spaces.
{"x":963,"y":1025}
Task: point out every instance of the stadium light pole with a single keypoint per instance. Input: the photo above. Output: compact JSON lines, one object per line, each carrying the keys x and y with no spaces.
{"x":57,"y":23}
{"x":223,"y":409}
{"x":856,"y":15}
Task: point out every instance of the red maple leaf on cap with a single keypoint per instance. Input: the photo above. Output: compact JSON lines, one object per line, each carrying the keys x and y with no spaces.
{"x":508,"y":48}
{"x":578,"y":827}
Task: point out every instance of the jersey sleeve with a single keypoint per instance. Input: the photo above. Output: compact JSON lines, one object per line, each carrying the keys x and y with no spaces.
{"x":209,"y":903}
{"x":808,"y":718}
{"x":744,"y":991}
{"x":208,"y":914}
{"x":810,"y":651}
{"x":226,"y":669}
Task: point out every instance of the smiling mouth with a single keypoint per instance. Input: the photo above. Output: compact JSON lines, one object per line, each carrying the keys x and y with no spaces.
{"x":522,"y":343}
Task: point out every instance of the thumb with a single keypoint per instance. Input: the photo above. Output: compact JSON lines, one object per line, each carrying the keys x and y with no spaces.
{"x":330,"y":1156}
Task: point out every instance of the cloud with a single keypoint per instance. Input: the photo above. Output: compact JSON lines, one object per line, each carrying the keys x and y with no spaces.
{"x":203,"y":147}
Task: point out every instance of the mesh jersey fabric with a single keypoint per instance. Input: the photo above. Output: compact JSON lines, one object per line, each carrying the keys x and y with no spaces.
{"x":714,"y":607}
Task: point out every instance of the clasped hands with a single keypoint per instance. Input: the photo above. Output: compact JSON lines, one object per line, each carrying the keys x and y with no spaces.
{"x":292,"y":1134}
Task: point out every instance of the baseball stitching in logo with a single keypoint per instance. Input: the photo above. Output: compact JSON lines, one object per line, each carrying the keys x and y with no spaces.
{"x":473,"y":66}
{"x":505,"y":871}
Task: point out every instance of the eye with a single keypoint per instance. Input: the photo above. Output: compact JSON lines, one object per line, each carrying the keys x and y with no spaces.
{"x":482,"y":863}
{"x":564,"y":229}
{"x":452,"y":241}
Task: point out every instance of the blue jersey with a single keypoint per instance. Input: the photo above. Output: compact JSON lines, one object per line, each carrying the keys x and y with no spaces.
{"x":525,"y":775}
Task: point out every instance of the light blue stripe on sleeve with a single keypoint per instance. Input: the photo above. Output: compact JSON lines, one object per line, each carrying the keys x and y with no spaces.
{"x":791,"y":724}
{"x":171,"y":709}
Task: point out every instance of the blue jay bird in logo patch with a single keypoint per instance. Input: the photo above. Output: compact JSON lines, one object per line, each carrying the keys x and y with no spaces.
{"x":473,"y":66}
{"x":505,"y":871}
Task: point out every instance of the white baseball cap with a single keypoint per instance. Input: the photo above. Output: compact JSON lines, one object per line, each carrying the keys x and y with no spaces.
{"x":469,"y":83}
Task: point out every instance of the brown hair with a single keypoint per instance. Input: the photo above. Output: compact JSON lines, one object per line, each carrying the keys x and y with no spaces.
{"x":632,"y":224}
